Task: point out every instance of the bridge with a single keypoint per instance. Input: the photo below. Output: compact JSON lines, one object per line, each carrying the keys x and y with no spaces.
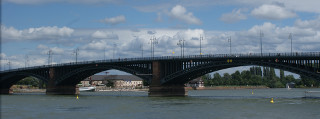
{"x":166,"y":75}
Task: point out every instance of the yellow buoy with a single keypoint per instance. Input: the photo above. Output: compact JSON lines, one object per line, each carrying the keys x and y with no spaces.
{"x":252,"y":92}
{"x":77,"y":97}
{"x":271,"y":101}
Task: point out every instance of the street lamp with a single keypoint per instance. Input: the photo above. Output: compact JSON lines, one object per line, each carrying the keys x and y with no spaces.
{"x":181,"y":44}
{"x":261,"y":35}
{"x":141,"y":46}
{"x":9,"y":64}
{"x":76,"y":52}
{"x":26,"y":61}
{"x":290,"y":37}
{"x":229,"y":40}
{"x":201,"y":38}
{"x":104,"y":54}
{"x":114,"y":48}
{"x":50,"y":53}
{"x":153,"y":41}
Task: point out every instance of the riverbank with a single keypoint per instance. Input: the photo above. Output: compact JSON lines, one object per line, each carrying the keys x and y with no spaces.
{"x":26,"y":89}
{"x":227,"y":87}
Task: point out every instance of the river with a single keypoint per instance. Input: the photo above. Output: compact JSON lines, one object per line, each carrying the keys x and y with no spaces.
{"x":200,"y":104}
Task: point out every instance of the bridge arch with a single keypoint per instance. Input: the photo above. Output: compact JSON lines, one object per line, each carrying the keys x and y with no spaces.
{"x":186,"y":75}
{"x":76,"y":75}
{"x":13,"y":78}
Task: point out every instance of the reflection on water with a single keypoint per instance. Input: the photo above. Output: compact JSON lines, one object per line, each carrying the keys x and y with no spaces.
{"x":205,"y":104}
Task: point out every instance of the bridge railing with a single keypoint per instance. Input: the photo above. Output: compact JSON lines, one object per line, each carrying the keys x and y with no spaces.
{"x":235,"y":55}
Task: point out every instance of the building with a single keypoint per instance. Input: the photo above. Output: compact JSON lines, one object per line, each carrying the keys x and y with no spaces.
{"x":95,"y":80}
{"x":119,"y":81}
{"x":196,"y":83}
{"x":290,"y":85}
{"x":125,"y":81}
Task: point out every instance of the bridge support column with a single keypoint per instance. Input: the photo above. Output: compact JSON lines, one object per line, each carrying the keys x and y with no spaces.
{"x":158,"y":90}
{"x":6,"y":91}
{"x":62,"y":90}
{"x":53,"y":89}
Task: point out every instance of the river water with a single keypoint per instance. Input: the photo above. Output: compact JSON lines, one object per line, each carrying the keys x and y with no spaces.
{"x":200,"y":104}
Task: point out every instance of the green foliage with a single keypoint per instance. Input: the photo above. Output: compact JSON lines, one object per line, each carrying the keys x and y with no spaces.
{"x":255,"y":76}
{"x":145,"y":83}
{"x":110,"y":83}
{"x":29,"y":81}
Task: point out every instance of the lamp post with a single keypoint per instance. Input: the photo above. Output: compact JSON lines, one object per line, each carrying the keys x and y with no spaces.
{"x":9,"y":65}
{"x":76,"y":52}
{"x":181,"y":44}
{"x":104,"y":54}
{"x":153,"y":42}
{"x":229,"y":40}
{"x":26,"y":61}
{"x":50,"y":53}
{"x":114,"y":48}
{"x":201,"y":38}
{"x":261,"y":35}
{"x":290,"y":37}
{"x":141,"y":46}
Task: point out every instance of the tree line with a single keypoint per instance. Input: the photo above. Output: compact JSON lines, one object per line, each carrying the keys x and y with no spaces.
{"x":256,"y":76}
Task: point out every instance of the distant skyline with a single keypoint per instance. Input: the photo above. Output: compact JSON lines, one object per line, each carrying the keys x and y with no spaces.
{"x":30,"y":28}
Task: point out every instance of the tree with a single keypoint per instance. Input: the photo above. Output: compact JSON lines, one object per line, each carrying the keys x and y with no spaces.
{"x":207,"y":79}
{"x":111,"y":83}
{"x":217,"y":79}
{"x":282,"y":77}
{"x":236,"y":78}
{"x":227,"y":79}
{"x":145,"y":83}
{"x":245,"y":77}
{"x":29,"y":81}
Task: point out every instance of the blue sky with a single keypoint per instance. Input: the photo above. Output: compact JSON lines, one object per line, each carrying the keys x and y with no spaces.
{"x":30,"y":28}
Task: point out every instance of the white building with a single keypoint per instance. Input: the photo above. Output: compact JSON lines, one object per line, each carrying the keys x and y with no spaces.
{"x":196,"y":83}
{"x":119,"y":81}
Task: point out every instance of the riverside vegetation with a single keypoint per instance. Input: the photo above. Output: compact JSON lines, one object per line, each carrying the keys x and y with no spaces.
{"x":257,"y":76}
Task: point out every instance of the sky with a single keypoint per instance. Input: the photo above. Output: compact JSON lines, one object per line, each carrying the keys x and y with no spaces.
{"x":106,"y":29}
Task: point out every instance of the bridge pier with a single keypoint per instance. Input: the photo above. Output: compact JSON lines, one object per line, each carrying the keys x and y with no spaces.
{"x":53,"y":89}
{"x":158,"y":90}
{"x":6,"y":91}
{"x":168,"y":91}
{"x":62,"y":90}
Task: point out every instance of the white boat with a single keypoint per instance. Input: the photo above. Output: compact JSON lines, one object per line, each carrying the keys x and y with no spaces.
{"x":91,"y":88}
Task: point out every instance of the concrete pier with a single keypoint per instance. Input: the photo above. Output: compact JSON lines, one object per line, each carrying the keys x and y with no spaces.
{"x":62,"y":90}
{"x":53,"y":89}
{"x":6,"y":91}
{"x":168,"y":91}
{"x":158,"y":90}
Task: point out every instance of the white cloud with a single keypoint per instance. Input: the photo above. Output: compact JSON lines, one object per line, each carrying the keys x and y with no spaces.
{"x":232,"y":17}
{"x":55,"y":50}
{"x":314,"y":24}
{"x":114,"y":20}
{"x":40,"y":33}
{"x":151,"y":32}
{"x":61,"y":1}
{"x":273,"y":12}
{"x":180,"y":13}
{"x":104,"y":35}
{"x":42,"y":47}
{"x":305,"y":32}
{"x":96,"y":45}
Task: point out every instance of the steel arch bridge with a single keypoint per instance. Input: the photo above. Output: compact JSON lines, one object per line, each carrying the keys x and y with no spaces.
{"x":167,"y":75}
